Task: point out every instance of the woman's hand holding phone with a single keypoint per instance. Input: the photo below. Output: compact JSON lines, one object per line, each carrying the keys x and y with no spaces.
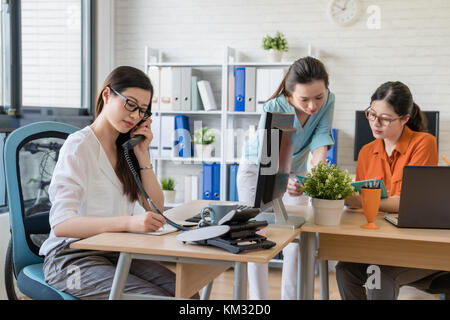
{"x":141,"y":150}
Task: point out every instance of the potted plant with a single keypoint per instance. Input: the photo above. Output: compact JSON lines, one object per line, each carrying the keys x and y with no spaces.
{"x":275,"y":46}
{"x":203,"y":139}
{"x":328,"y":186}
{"x":168,"y":187}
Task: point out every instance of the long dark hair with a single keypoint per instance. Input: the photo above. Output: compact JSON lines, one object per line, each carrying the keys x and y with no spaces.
{"x":120,"y":79}
{"x":304,"y":70}
{"x":398,"y":95}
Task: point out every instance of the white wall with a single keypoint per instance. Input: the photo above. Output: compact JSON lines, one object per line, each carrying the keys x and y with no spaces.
{"x":412,"y":46}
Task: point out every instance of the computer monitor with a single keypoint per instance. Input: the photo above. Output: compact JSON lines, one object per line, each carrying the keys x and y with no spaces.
{"x":275,"y":159}
{"x":363,"y":133}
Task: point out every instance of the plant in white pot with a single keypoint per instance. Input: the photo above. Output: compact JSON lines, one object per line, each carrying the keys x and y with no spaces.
{"x":328,"y":186}
{"x":168,"y":187}
{"x":275,"y":46}
{"x":203,"y":140}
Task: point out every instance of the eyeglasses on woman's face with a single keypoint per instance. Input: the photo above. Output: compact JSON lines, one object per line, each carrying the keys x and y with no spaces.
{"x":383,"y":120}
{"x":132,"y":106}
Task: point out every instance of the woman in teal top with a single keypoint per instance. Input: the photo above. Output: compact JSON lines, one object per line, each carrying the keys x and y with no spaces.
{"x":303,"y":92}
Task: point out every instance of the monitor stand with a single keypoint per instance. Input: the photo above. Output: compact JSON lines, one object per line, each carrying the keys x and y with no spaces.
{"x":282,"y":220}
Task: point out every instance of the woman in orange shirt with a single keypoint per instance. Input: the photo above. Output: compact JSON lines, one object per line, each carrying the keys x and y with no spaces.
{"x":398,"y":126}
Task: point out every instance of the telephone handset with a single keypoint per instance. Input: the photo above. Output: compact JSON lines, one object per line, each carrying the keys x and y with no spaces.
{"x":127,"y":146}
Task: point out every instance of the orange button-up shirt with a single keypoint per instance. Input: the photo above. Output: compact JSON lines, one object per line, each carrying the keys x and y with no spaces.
{"x":413,"y":148}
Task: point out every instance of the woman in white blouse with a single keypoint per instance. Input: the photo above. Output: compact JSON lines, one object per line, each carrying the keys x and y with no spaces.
{"x":93,"y":191}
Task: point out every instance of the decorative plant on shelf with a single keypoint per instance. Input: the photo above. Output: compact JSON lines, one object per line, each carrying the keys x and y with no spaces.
{"x":275,"y":46}
{"x":328,"y":186}
{"x":168,"y":187}
{"x":203,"y":139}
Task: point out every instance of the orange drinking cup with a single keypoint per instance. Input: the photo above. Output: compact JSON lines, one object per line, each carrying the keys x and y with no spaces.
{"x":371,"y":203}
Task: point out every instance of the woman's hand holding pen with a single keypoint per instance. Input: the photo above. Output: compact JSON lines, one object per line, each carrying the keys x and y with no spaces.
{"x":294,"y":189}
{"x":147,"y":222}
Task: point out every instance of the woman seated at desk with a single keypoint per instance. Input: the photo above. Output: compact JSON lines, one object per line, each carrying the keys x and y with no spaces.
{"x":398,"y":126}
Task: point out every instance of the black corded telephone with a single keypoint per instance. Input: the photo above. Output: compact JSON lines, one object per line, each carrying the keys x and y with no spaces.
{"x":127,"y":146}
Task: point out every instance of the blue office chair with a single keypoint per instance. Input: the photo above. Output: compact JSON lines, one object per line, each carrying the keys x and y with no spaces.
{"x":30,"y":155}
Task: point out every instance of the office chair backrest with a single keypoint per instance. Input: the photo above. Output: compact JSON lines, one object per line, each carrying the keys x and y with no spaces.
{"x":363,"y":133}
{"x":30,"y":155}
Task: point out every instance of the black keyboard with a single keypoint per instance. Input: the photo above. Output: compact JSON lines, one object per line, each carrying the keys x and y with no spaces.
{"x":198,"y":217}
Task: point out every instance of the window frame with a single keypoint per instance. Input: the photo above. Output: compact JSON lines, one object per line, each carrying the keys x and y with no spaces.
{"x":16,"y":108}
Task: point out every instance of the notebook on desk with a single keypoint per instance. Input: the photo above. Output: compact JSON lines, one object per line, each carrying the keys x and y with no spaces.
{"x":424,"y":199}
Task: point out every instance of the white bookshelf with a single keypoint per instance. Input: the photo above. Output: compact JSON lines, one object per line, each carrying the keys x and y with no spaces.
{"x":228,"y":118}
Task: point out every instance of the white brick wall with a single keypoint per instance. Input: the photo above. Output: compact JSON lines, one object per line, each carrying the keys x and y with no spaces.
{"x":412,"y":46}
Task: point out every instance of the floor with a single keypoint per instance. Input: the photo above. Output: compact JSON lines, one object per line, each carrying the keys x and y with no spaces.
{"x":223,"y":288}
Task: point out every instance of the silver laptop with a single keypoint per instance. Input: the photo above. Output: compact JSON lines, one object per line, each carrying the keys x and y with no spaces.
{"x":424,"y":199}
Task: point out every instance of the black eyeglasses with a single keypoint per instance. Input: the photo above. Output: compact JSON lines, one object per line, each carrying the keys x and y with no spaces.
{"x":132,"y":106}
{"x":384,"y":121}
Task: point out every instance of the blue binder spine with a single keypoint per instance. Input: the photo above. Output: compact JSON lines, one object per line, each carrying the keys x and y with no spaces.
{"x":216,"y":181}
{"x":183,"y":147}
{"x":332,"y":153}
{"x":207,"y":181}
{"x":233,"y":195}
{"x":239,"y":89}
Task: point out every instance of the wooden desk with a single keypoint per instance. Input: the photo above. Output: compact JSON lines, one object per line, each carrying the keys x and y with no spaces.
{"x":389,"y":245}
{"x":196,"y":265}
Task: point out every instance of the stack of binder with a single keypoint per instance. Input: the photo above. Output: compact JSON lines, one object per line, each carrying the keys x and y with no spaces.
{"x":250,"y":87}
{"x":211,"y":181}
{"x":179,"y":89}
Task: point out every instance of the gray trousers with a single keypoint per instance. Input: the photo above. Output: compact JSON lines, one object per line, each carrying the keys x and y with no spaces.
{"x":351,"y":277}
{"x":89,"y":274}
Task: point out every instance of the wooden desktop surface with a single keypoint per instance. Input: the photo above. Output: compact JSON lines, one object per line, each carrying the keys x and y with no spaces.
{"x":389,"y":245}
{"x":168,"y":245}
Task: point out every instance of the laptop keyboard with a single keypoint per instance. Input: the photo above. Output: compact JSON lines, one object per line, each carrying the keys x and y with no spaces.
{"x":392,"y":218}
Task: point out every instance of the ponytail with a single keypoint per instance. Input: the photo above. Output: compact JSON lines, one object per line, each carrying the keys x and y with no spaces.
{"x":418,"y":120}
{"x":304,"y":70}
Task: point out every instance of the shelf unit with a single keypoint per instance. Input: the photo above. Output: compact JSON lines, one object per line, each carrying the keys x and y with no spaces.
{"x":153,"y":58}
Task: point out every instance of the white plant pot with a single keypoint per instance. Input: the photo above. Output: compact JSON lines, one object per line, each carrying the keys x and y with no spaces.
{"x":327,"y":212}
{"x":169,"y":196}
{"x":274,"y":55}
{"x":204,"y":151}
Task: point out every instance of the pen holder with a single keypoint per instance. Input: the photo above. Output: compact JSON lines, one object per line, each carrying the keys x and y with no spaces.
{"x":371,"y":204}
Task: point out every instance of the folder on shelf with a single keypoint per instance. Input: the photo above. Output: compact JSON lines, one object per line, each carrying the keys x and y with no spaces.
{"x":170,"y":89}
{"x":262,"y":87}
{"x":154,"y":73}
{"x":250,"y":89}
{"x":231,"y":90}
{"x":186,"y":74}
{"x":167,"y":136}
{"x":207,"y":181}
{"x":183,"y":146}
{"x":239,"y":89}
{"x":211,"y":181}
{"x":156,"y":141}
{"x":216,"y":181}
{"x":206,"y":93}
{"x":196,"y":101}
{"x":232,"y":186}
{"x":332,"y":153}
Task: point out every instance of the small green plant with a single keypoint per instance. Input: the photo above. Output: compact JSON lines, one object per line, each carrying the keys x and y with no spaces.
{"x":328,"y":182}
{"x":278,"y":42}
{"x":203,"y":136}
{"x":168,"y":184}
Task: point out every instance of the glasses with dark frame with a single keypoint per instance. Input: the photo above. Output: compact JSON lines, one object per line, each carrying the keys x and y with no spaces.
{"x":384,"y":121}
{"x":132,"y":106}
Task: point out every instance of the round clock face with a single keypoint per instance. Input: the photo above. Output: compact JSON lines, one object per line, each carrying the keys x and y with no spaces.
{"x":344,"y":12}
